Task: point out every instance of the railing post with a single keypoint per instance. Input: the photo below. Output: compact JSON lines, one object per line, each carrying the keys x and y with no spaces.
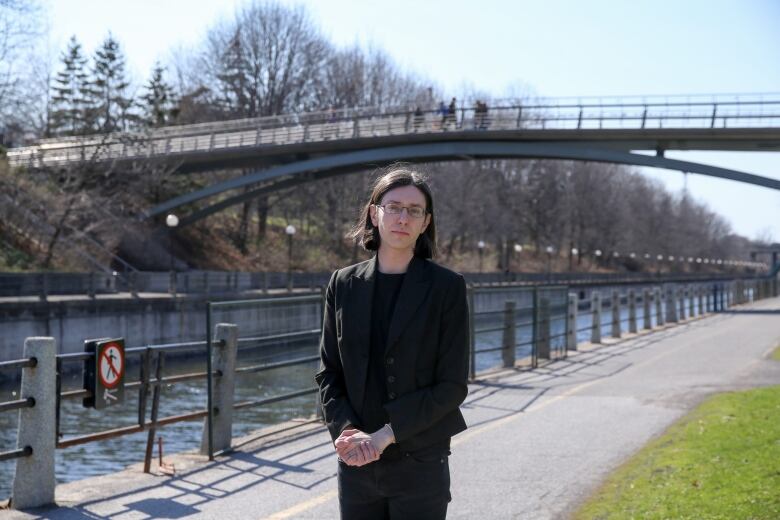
{"x":92,"y":285}
{"x":632,"y":311}
{"x":681,"y":302}
{"x":544,"y":328}
{"x":659,"y":308}
{"x":34,"y":478}
{"x":691,"y":302}
{"x":44,"y":286}
{"x":133,"y":279}
{"x":571,"y":324}
{"x":595,"y":310}
{"x":671,"y":306}
{"x":508,"y":344}
{"x":472,"y":336}
{"x":224,"y":364}
{"x":615,"y":314}
{"x":647,"y":323}
{"x":702,"y":304}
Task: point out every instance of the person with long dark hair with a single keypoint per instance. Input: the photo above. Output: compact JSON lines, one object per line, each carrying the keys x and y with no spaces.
{"x":394,"y":359}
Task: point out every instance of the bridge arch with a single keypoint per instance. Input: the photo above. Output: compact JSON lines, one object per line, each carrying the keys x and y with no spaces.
{"x":292,"y":174}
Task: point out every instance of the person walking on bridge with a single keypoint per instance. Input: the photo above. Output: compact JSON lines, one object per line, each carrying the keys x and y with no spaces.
{"x":394,"y":360}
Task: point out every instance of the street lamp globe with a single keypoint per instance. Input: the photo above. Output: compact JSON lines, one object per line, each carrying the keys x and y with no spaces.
{"x":518,"y":248}
{"x":574,"y":251}
{"x":659,"y":257}
{"x":671,"y":258}
{"x":290,"y":230}
{"x":597,"y":252}
{"x":632,"y":255}
{"x":549,"y":250}
{"x":481,"y":244}
{"x":171,"y":220}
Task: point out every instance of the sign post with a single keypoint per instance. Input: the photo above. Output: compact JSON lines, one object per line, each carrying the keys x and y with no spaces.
{"x":104,"y":374}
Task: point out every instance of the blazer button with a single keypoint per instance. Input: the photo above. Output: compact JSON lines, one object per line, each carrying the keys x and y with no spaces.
{"x":390,"y":361}
{"x":391,"y":379}
{"x":391,"y":395}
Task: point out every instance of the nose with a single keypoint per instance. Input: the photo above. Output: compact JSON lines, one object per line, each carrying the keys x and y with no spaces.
{"x":404,"y":215}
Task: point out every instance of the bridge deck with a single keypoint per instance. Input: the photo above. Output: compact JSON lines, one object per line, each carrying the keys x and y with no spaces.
{"x":538,"y":442}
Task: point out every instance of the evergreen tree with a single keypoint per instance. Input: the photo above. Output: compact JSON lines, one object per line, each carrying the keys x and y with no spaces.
{"x":160,"y":104}
{"x":238,"y":97}
{"x":111,"y":107}
{"x":70,"y":93}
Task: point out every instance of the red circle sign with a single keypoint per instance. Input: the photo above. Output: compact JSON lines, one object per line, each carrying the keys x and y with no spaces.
{"x":111,"y":365}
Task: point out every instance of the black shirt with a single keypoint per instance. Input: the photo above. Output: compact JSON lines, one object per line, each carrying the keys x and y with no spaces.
{"x":386,"y":290}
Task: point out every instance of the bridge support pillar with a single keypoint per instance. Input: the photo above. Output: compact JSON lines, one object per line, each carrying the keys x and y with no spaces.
{"x":646,"y":322}
{"x":509,"y":341}
{"x":571,"y":324}
{"x":34,"y":478}
{"x":223,"y":362}
{"x":632,"y":311}
{"x":681,"y":301}
{"x":659,"y":307}
{"x":595,"y":310}
{"x":615,"y":314}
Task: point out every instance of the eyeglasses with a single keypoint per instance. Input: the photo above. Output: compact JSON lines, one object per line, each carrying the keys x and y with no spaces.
{"x":397,"y":209}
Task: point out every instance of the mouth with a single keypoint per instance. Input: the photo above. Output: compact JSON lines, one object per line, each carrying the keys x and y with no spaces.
{"x":404,"y":233}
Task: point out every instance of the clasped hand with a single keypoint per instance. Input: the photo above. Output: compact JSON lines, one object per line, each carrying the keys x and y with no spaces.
{"x":358,"y":448}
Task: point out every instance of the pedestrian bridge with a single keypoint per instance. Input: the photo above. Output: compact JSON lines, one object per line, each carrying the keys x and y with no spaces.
{"x":282,"y":151}
{"x":728,"y":123}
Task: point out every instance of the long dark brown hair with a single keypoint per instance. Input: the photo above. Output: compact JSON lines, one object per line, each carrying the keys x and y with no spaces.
{"x":395,"y":176}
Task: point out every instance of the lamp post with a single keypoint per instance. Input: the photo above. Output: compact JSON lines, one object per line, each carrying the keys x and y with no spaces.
{"x":574,"y":252}
{"x":549,"y":250}
{"x":518,"y":249}
{"x":171,"y":221}
{"x":481,"y":249}
{"x":290,"y":231}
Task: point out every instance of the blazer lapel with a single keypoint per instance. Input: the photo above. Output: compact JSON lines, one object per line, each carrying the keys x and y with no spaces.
{"x":361,"y":296}
{"x":414,"y":288}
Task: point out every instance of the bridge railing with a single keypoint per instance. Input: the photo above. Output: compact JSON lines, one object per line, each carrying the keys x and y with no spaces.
{"x":178,"y":141}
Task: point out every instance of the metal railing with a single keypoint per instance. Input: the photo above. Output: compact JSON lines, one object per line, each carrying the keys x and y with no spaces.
{"x":46,"y":284}
{"x":530,"y":321}
{"x":544,"y":114}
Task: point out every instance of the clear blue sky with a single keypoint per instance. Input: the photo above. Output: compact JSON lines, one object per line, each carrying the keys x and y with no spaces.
{"x":552,"y":48}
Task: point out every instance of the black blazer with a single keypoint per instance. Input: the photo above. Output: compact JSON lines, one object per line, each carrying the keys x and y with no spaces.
{"x":426,"y":357}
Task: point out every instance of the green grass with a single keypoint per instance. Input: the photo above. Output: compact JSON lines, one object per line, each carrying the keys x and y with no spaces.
{"x":722,"y":461}
{"x":776,"y":354}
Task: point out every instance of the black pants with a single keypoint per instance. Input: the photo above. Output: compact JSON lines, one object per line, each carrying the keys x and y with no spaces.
{"x":405,"y":487}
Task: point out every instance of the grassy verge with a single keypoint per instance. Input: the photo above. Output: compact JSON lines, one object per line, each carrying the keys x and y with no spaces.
{"x":722,"y":461}
{"x":776,"y":354}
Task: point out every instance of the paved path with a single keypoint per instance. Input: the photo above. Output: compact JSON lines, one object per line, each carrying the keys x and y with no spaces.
{"x":538,"y":443}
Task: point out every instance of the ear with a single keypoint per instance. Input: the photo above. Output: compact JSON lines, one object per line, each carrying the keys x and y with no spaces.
{"x":372,"y":214}
{"x":425,"y":224}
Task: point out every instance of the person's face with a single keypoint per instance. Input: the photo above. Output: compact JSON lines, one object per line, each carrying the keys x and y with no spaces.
{"x":400,"y":231}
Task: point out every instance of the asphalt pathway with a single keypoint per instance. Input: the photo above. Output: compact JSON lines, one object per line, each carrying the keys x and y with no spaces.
{"x":538,"y":443}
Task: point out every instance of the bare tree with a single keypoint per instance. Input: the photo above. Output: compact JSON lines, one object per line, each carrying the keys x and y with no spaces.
{"x":19,"y":29}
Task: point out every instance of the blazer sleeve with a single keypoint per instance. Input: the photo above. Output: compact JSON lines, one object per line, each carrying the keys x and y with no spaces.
{"x":416,"y":411}
{"x":330,"y":376}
